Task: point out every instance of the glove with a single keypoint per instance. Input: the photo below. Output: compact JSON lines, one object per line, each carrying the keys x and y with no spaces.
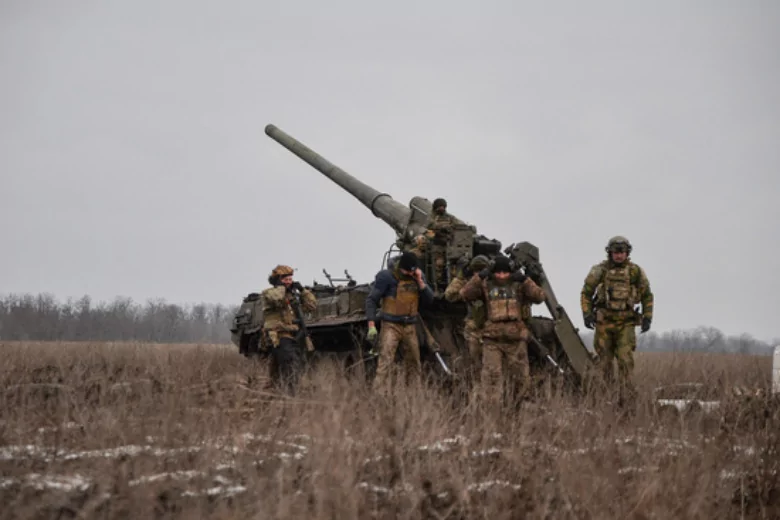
{"x":484,"y":273}
{"x":296,"y":286}
{"x":646,"y":324}
{"x":518,"y":276}
{"x":371,"y":334}
{"x":589,"y":319}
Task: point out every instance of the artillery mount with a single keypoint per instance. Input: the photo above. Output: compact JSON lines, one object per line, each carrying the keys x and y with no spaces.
{"x":339,"y":326}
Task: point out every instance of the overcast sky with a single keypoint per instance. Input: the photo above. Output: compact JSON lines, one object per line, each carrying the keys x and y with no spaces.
{"x":133,"y":159}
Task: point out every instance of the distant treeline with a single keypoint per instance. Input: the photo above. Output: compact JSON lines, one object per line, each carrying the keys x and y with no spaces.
{"x":43,"y":318}
{"x":700,"y":339}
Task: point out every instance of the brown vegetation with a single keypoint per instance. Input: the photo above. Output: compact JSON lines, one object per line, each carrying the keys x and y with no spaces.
{"x":139,"y":430}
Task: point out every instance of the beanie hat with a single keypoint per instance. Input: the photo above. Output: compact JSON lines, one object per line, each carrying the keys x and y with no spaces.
{"x":502,"y":264}
{"x":408,"y":261}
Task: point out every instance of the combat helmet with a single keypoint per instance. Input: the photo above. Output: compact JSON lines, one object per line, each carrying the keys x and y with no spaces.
{"x":439,"y":203}
{"x":282,"y":270}
{"x":618,"y":244}
{"x":478,"y":263}
{"x":279,"y":272}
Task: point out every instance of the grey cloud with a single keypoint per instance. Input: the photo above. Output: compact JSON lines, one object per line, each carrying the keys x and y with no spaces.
{"x":134,"y":162}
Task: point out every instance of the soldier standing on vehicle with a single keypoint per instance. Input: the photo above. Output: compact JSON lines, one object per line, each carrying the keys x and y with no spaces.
{"x":282,"y":328}
{"x":438,"y":234}
{"x":400,"y":290}
{"x":609,"y":295}
{"x":505,"y":334}
{"x":475,"y":317}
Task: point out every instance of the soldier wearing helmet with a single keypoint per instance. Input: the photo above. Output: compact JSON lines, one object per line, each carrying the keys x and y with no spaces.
{"x":505,"y":333}
{"x":611,"y":292}
{"x":475,"y":316}
{"x":282,"y":327}
{"x":438,"y":235}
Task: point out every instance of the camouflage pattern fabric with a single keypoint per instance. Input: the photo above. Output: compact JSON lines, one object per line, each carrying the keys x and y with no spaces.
{"x":504,"y":343}
{"x":637,"y":279}
{"x":391,"y":335}
{"x":280,"y":329}
{"x":279,"y":316}
{"x":500,"y":355}
{"x":615,"y":337}
{"x":473,"y":337}
{"x":472,"y":325}
{"x":615,"y":341}
{"x":439,"y":233}
{"x":439,"y":259}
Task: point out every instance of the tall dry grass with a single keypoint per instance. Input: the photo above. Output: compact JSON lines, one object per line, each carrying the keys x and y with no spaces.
{"x":163,"y":431}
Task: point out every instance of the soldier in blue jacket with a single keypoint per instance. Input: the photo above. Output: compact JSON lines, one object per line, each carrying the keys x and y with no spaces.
{"x":400,"y":290}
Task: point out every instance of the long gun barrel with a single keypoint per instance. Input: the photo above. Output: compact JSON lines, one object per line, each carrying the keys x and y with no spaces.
{"x":382,"y":205}
{"x":411,"y":221}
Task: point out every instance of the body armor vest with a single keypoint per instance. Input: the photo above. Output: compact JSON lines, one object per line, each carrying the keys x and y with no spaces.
{"x":502,"y":304}
{"x":616,"y":292}
{"x":406,"y":299}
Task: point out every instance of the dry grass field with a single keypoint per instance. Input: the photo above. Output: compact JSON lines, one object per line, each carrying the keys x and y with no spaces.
{"x":186,"y":431}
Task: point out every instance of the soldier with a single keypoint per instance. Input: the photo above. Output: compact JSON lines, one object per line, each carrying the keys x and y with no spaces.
{"x":618,"y":285}
{"x":282,"y":326}
{"x":419,"y":246}
{"x":439,"y":234}
{"x":400,"y":290}
{"x":475,"y":317}
{"x":505,"y":334}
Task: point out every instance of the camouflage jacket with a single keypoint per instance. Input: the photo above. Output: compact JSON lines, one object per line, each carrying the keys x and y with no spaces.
{"x":278,"y":312}
{"x":477,"y":290}
{"x":440,"y":227}
{"x":527,"y":292}
{"x":595,"y":290}
{"x":476,"y":309}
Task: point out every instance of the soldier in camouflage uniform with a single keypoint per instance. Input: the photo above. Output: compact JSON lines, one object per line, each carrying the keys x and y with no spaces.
{"x":505,"y":334}
{"x":281,"y":327}
{"x":609,"y":295}
{"x":438,"y":235}
{"x":475,"y":317}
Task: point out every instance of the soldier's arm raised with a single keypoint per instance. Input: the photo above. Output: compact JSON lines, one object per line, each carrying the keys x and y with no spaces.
{"x":532,"y":292}
{"x":452,"y":293}
{"x":276,"y":296}
{"x":472,"y":290}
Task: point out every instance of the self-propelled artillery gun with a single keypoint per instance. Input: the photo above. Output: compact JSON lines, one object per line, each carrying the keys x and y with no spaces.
{"x":339,"y":326}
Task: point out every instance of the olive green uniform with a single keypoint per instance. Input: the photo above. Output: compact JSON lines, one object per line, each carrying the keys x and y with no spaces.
{"x":438,"y":235}
{"x":472,"y":324}
{"x":612,"y":291}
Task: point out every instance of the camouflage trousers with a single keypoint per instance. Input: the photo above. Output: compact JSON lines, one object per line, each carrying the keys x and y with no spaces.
{"x":615,"y":341}
{"x":391,"y":335}
{"x":474,"y":345}
{"x":498,"y":358}
{"x":439,"y":258}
